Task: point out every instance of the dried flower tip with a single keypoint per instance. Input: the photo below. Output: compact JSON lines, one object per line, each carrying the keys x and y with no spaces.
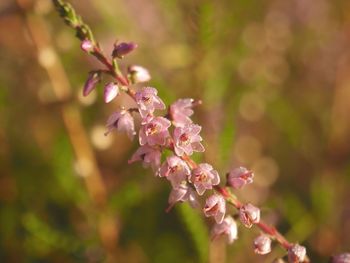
{"x":296,"y":254}
{"x":175,"y":170}
{"x":204,"y":177}
{"x":87,"y":46}
{"x":122,"y":49}
{"x":138,"y":74}
{"x":228,"y":227}
{"x":262,"y":245}
{"x":155,"y":131}
{"x":215,"y":206}
{"x":110,"y":92}
{"x":90,"y":84}
{"x":239,"y":177}
{"x":123,"y":122}
{"x":150,"y":156}
{"x":187,"y":140}
{"x":249,"y":215}
{"x":342,"y":258}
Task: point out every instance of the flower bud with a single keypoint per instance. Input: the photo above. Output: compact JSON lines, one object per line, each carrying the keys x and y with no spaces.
{"x":262,"y":245}
{"x":138,"y":74}
{"x":342,"y":258}
{"x":90,"y":84}
{"x":122,"y":49}
{"x":110,"y":92}
{"x":87,"y":45}
{"x":249,"y":215}
{"x":239,"y":177}
{"x":296,"y":253}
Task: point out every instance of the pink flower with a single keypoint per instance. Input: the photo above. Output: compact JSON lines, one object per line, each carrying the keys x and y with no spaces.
{"x":87,"y":45}
{"x":90,"y":84}
{"x":342,"y":258}
{"x":182,"y":193}
{"x":296,"y":253}
{"x":239,"y":177}
{"x":262,"y":245}
{"x":228,"y":227}
{"x":123,"y":122}
{"x":175,"y":170}
{"x":149,"y":155}
{"x":122,"y":49}
{"x":155,"y":131}
{"x":187,"y":139}
{"x":110,"y":92}
{"x":204,"y":177}
{"x":249,"y":215}
{"x":180,"y":112}
{"x":215,"y":206}
{"x":148,"y":101}
{"x":138,"y":74}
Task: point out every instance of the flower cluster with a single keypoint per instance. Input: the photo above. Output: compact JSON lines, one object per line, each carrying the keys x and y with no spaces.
{"x":174,"y":131}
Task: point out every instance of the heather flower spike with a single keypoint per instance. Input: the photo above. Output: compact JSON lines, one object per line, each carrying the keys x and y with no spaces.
{"x":204,"y":177}
{"x":187,"y":140}
{"x":296,"y":253}
{"x":110,"y":92}
{"x":154,"y":132}
{"x":188,"y":179}
{"x":262,"y":244}
{"x":123,"y":122}
{"x":227,"y":227}
{"x":138,"y":74}
{"x":239,"y":177}
{"x":215,"y":206}
{"x":90,"y":84}
{"x":148,"y":101}
{"x":249,"y":215}
{"x":122,"y":49}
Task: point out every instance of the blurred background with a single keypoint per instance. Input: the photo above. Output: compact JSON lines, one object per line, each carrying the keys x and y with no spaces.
{"x":274,"y":77}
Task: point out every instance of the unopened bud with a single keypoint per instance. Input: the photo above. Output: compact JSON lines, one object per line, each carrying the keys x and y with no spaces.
{"x":87,"y":45}
{"x":110,"y":92}
{"x":249,"y":215}
{"x":90,"y":84}
{"x":296,"y":254}
{"x":138,"y":74}
{"x":122,"y":49}
{"x":262,"y":245}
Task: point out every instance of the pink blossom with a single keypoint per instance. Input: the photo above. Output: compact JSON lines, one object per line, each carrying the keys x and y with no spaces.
{"x":342,"y":258}
{"x":215,"y":206}
{"x":148,"y":101}
{"x":228,"y":227}
{"x":155,"y":131}
{"x":150,"y":156}
{"x":183,"y":193}
{"x":187,"y":140}
{"x":110,"y":92}
{"x":296,"y":253}
{"x":239,"y":177}
{"x":262,"y":244}
{"x":204,"y":177}
{"x":87,"y":45}
{"x":175,"y":170}
{"x":249,"y":215}
{"x":180,"y":112}
{"x":123,"y":122}
{"x":138,"y":74}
